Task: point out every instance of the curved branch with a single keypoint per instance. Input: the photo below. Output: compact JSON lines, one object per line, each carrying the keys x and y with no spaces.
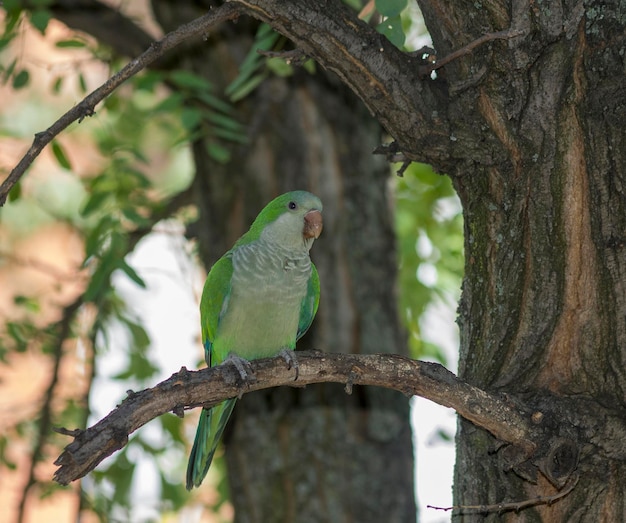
{"x":86,"y":107}
{"x":386,"y":79}
{"x":506,"y":421}
{"x":389,"y":81}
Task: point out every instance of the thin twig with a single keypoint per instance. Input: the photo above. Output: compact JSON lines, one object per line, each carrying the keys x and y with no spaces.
{"x":64,"y":327}
{"x":467,"y":49}
{"x":513,"y":505}
{"x":63,"y":331}
{"x":86,"y":107}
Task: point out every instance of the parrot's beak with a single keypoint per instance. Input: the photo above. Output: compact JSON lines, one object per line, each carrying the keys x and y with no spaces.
{"x":312,"y":224}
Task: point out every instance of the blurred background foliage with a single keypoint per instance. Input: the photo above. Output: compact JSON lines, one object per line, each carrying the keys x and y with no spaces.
{"x":68,"y":231}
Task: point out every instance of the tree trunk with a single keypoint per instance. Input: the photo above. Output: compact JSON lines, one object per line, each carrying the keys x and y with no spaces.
{"x":316,"y":454}
{"x":537,"y":130}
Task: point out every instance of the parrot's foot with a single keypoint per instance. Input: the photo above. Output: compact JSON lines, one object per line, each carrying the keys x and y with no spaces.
{"x":243,"y":367}
{"x":292,"y":361}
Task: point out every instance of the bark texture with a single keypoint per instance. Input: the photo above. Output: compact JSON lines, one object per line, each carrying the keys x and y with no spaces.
{"x":528,"y":125}
{"x":538,"y":158}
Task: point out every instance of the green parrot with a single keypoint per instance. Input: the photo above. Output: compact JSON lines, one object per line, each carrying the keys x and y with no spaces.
{"x":258,"y":300}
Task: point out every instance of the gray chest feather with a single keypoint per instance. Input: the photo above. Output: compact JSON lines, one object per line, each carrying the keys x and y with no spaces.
{"x":266,"y":272}
{"x":262,"y":313}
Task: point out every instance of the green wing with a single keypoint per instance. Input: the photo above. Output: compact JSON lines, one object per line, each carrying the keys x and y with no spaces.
{"x":214,"y":301}
{"x":215,"y":296}
{"x":309,"y":303}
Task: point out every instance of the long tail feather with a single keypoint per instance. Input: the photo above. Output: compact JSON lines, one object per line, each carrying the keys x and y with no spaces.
{"x":210,"y":428}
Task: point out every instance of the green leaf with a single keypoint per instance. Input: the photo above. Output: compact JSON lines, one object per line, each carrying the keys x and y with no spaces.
{"x":40,"y":19}
{"x":95,"y":202}
{"x":12,"y":6}
{"x":216,"y":103}
{"x":60,"y":155}
{"x":219,"y":153}
{"x":173,"y":425}
{"x":73,"y":43}
{"x":121,"y":473}
{"x":18,"y":332}
{"x":190,"y":80}
{"x":133,"y":216}
{"x":357,"y":5}
{"x":4,"y":459}
{"x":29,"y":304}
{"x":390,"y":8}
{"x":279,"y":66}
{"x":56,"y":86}
{"x":100,"y":278}
{"x":82,"y":84}
{"x":140,"y":337}
{"x":148,"y":80}
{"x":223,"y":121}
{"x":38,"y":4}
{"x":21,"y":79}
{"x":231,"y":136}
{"x":16,"y":192}
{"x":97,"y":236}
{"x":8,"y":71}
{"x":13,"y":10}
{"x":245,"y":88}
{"x":445,"y":436}
{"x":140,"y":368}
{"x":171,"y":103}
{"x":392,"y":29}
{"x":429,"y":231}
{"x":190,"y":118}
{"x":5,"y":40}
{"x":174,"y":493}
{"x":248,"y":80}
{"x":131,"y":273}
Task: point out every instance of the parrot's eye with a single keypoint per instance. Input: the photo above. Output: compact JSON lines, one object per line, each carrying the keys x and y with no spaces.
{"x":292,"y":205}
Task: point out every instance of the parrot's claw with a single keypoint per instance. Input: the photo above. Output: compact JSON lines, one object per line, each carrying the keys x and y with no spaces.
{"x":243,"y":367}
{"x":291,"y":360}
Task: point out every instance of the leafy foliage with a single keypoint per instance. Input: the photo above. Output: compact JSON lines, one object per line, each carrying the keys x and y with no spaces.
{"x":139,"y":137}
{"x":391,"y":26}
{"x":430,"y":239}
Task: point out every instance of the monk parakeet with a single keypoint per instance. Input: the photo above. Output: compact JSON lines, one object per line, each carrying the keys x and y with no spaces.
{"x":258,"y":299}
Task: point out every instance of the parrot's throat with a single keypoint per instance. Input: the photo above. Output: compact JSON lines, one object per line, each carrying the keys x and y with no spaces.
{"x":262,"y":266}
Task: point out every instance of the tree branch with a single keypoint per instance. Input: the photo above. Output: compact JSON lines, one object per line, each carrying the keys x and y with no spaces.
{"x":386,"y":79}
{"x":515,"y":506}
{"x":186,"y":389}
{"x":64,"y":327}
{"x":86,"y":107}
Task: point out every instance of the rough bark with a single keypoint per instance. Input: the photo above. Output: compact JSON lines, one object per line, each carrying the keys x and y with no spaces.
{"x":315,"y":454}
{"x":540,"y":173}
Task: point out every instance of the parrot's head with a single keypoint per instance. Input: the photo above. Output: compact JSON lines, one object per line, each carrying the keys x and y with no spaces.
{"x":292,"y":220}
